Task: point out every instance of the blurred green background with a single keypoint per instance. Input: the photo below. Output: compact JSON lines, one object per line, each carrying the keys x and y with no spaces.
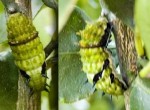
{"x":91,"y":7}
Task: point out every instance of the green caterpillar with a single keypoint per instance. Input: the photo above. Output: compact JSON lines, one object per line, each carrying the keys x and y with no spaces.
{"x":96,"y":59}
{"x":27,"y":50}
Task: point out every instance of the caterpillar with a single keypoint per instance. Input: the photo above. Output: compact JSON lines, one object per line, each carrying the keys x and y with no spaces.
{"x":27,"y":50}
{"x":96,"y":59}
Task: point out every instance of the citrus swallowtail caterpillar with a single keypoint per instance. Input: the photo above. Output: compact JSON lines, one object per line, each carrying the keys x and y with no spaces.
{"x":27,"y":50}
{"x":96,"y":58}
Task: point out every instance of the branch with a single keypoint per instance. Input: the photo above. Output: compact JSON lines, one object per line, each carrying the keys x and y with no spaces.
{"x":22,"y":6}
{"x":127,"y":55}
{"x":25,"y":7}
{"x":53,"y":96}
{"x":53,"y":61}
{"x":53,"y":45}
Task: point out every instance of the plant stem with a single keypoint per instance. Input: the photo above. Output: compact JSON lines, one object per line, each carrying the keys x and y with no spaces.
{"x":25,"y":101}
{"x":53,"y":44}
{"x":25,"y":7}
{"x":53,"y":96}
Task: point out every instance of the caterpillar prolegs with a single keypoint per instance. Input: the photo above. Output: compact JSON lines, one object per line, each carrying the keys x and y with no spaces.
{"x":96,"y":59}
{"x":27,"y":50}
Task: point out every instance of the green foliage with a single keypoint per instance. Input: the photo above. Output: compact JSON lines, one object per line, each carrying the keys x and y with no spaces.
{"x":143,"y":30}
{"x":91,"y":7}
{"x":65,"y":9}
{"x":140,"y":94}
{"x":99,"y":102}
{"x":142,"y":7}
{"x":51,"y":3}
{"x":9,"y":82}
{"x":123,"y":9}
{"x":72,"y":80}
{"x":140,"y":90}
{"x":3,"y":36}
{"x":45,"y":28}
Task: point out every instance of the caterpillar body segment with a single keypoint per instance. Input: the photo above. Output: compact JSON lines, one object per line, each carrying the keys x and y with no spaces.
{"x":100,"y":34}
{"x":27,"y":50}
{"x":96,"y":59}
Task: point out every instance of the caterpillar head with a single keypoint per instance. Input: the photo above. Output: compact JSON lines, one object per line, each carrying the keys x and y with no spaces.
{"x":93,"y":32}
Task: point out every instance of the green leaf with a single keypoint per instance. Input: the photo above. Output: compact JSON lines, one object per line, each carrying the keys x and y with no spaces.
{"x":142,"y":15}
{"x":4,"y":46}
{"x":123,"y":9}
{"x":140,"y":94}
{"x":91,"y":7}
{"x":51,"y":3}
{"x":65,"y":9}
{"x":72,"y":80}
{"x":8,"y":82}
{"x":3,"y":33}
{"x":99,"y":102}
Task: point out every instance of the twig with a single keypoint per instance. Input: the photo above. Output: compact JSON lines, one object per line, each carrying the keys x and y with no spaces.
{"x":124,"y":38}
{"x":53,"y":61}
{"x":53,"y":96}
{"x":53,"y":45}
{"x":127,"y":55}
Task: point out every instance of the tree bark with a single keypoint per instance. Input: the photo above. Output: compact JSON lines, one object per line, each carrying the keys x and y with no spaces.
{"x":127,"y":55}
{"x":124,"y":38}
{"x":25,"y":7}
{"x":25,"y":101}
